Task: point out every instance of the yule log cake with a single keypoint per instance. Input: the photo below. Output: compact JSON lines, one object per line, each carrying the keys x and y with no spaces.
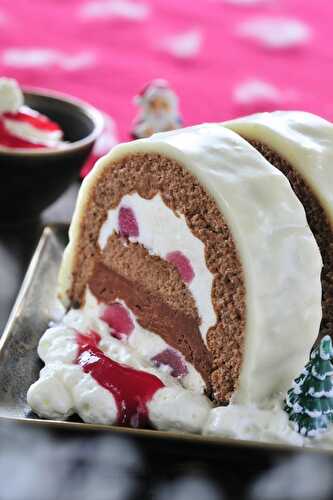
{"x":209,"y":248}
{"x":299,"y":144}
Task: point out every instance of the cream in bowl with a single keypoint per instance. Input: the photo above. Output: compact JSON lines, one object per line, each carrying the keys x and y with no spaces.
{"x":20,"y":125}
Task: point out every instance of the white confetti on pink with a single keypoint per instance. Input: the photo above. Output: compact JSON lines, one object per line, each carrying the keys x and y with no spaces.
{"x":275,"y":33}
{"x":104,"y":9}
{"x":36,"y":58}
{"x":184,"y":45}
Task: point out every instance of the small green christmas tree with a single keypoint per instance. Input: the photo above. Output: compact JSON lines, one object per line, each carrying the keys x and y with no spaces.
{"x":309,"y":402}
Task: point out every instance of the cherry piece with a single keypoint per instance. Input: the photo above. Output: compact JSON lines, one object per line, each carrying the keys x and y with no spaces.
{"x":183,"y":265}
{"x":171,"y":358}
{"x":127,"y":222}
{"x":118,"y":319}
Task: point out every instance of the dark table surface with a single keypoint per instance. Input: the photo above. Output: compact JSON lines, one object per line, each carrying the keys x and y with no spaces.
{"x":59,"y":465}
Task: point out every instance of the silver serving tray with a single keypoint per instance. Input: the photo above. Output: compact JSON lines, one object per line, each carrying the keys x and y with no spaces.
{"x":19,"y":362}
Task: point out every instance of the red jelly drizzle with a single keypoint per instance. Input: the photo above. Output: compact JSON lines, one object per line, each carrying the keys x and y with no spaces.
{"x":25,"y":116}
{"x":117,"y":317}
{"x":132,"y":389}
{"x":183,"y":265}
{"x":127,"y":222}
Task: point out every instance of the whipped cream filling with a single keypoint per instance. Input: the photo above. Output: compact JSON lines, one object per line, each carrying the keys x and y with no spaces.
{"x":64,"y":389}
{"x":163,"y":233}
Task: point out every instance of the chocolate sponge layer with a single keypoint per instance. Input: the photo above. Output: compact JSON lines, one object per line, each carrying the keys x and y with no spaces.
{"x":149,"y":174}
{"x":319,"y":225}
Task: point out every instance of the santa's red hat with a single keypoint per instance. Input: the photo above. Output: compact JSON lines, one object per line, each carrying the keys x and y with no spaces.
{"x":158,"y":84}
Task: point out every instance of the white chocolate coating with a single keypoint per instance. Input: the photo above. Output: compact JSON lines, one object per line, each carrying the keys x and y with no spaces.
{"x":303,"y":139}
{"x":153,"y":217}
{"x":279,"y":255}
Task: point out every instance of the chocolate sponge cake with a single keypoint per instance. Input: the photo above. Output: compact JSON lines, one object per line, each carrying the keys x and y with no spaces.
{"x":300,"y":145}
{"x":208,"y":246}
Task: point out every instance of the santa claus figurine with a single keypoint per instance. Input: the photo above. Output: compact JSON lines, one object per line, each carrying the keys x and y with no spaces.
{"x":158,"y":110}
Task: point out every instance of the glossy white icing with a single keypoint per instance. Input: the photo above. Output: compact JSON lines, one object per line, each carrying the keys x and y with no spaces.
{"x":303,"y":139}
{"x":153,"y":218}
{"x":279,"y":255}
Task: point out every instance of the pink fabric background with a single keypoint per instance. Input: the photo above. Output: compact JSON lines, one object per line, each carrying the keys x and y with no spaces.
{"x":119,"y":55}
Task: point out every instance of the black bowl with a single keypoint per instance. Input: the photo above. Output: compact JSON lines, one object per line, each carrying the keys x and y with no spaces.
{"x":32,"y":179}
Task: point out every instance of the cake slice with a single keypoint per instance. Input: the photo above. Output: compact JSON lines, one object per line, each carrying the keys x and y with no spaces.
{"x":299,"y":144}
{"x":207,"y":246}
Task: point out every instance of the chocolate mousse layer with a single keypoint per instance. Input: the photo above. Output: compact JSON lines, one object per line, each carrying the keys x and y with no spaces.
{"x":319,"y":225}
{"x":148,"y":175}
{"x":153,"y":313}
